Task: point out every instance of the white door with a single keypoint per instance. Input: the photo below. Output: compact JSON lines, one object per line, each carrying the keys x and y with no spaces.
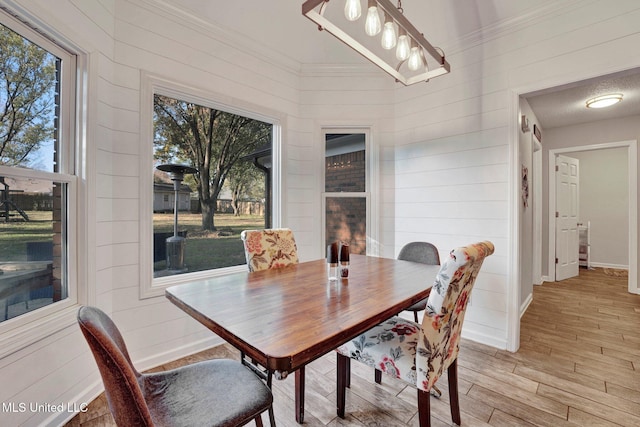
{"x":566,"y":217}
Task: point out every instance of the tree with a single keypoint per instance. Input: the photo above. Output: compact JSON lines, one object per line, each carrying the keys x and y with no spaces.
{"x":213,"y":141}
{"x":27,"y":97}
{"x":245,"y":182}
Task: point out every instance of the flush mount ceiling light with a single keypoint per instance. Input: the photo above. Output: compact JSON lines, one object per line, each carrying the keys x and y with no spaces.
{"x":407,"y":62}
{"x":604,"y":100}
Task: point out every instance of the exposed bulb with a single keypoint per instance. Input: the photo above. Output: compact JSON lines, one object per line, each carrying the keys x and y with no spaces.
{"x":404,"y":48}
{"x":388,"y":35}
{"x":372,"y":25}
{"x":352,"y":10}
{"x":415,"y":59}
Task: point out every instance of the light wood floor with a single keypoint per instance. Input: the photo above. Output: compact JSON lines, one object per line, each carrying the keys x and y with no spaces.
{"x":578,"y":365}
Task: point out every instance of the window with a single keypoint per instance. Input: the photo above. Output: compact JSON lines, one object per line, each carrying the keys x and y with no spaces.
{"x":346,"y":196}
{"x":213,"y":173}
{"x":37,"y":174}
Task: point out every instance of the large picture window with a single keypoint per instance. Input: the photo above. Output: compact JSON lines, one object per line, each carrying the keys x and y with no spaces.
{"x":212,"y":174}
{"x":37,"y":171}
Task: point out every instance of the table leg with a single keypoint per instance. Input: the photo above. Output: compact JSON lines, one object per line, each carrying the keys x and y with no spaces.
{"x":300,"y":395}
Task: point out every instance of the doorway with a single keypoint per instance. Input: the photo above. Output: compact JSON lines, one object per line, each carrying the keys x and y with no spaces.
{"x":632,"y":159}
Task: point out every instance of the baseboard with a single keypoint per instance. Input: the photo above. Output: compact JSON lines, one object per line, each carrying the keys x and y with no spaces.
{"x":83,"y":398}
{"x":177,"y":353}
{"x":483,"y":338}
{"x":605,"y":265}
{"x":525,"y":304}
{"x":96,"y":387}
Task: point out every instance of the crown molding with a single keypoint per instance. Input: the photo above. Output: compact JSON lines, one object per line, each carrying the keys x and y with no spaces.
{"x":224,"y":35}
{"x":511,"y":25}
{"x":268,"y":55}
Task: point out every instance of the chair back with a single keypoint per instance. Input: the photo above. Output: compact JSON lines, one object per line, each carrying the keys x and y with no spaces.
{"x":422,"y":252}
{"x":444,"y":314}
{"x":120,"y":378}
{"x":271,"y":248}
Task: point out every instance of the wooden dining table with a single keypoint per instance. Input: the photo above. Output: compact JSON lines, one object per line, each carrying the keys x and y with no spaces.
{"x":285,"y":318}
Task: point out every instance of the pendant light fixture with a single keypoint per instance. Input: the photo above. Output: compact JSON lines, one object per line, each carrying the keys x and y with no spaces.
{"x":408,"y":63}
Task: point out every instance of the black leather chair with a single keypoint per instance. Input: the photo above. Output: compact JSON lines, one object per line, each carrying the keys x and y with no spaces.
{"x":216,"y":392}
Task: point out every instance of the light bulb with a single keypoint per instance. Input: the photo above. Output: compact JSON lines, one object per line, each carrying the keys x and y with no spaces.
{"x":352,"y":10}
{"x":415,"y":59}
{"x":403,"y":49}
{"x":372,"y":25}
{"x":388,"y":34}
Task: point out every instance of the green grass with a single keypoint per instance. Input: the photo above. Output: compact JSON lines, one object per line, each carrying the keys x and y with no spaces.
{"x":203,"y":250}
{"x":14,"y":235}
{"x":208,"y":250}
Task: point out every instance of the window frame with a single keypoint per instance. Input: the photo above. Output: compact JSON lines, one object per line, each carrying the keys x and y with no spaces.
{"x":26,"y":329}
{"x":371,"y":184}
{"x":152,"y":84}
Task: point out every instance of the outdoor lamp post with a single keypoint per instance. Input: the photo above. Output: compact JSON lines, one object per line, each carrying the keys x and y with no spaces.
{"x":175,"y":243}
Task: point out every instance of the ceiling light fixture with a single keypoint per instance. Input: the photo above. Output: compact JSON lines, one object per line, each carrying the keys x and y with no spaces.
{"x":407,"y":63}
{"x":604,"y":100}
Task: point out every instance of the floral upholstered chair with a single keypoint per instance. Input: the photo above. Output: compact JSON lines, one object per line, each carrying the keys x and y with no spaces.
{"x":419,"y":354}
{"x":272,"y":248}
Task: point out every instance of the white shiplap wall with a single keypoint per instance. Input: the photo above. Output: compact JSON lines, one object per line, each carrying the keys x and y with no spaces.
{"x":59,"y":369}
{"x":455,"y":165}
{"x":446,"y":168}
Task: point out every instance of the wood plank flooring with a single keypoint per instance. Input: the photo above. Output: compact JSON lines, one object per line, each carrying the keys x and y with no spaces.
{"x":578,"y":365}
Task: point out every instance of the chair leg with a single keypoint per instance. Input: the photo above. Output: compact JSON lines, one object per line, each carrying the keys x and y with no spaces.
{"x":452,"y":374}
{"x":378,"y":376}
{"x":342,"y":379}
{"x":272,"y":417}
{"x":424,"y":408}
{"x":258,"y":421}
{"x":415,"y":316}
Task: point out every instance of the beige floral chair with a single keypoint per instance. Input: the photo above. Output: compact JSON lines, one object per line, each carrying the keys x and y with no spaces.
{"x":419,"y":354}
{"x":271,"y":248}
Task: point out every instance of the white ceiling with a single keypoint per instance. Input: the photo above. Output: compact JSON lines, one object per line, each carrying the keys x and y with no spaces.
{"x":566,"y":105}
{"x":278,"y":27}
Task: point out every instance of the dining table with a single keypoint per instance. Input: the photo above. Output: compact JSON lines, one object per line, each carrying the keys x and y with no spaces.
{"x":284,"y":318}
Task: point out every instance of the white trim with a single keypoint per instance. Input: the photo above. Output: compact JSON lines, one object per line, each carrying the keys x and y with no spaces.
{"x":485,"y":339}
{"x":514,"y":289}
{"x":89,"y":394}
{"x":607,"y":265}
{"x":537,"y":212}
{"x":525,"y":305}
{"x":632,"y":155}
{"x":225,"y":34}
{"x":150,"y":85}
{"x":31,"y":327}
{"x":371,"y":189}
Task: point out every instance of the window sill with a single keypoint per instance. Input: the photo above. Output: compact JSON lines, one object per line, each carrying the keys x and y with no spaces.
{"x":159,"y":284}
{"x":23,"y":331}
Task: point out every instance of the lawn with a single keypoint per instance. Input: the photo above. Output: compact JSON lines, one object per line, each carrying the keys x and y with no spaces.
{"x":206,"y":250}
{"x":14,"y":235}
{"x":203,"y":250}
